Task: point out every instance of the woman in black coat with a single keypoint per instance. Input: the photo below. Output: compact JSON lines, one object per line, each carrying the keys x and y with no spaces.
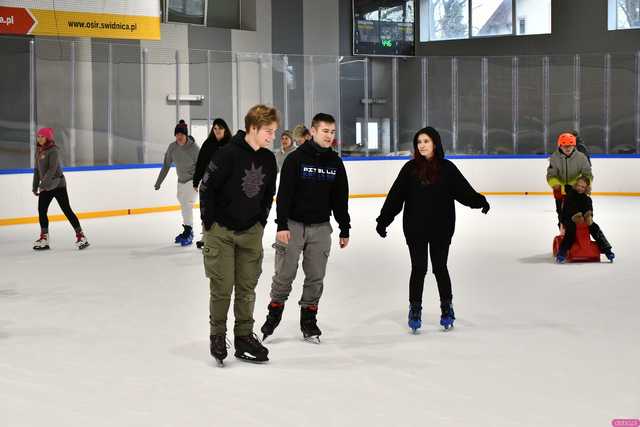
{"x":426,"y":187}
{"x":219,"y":136}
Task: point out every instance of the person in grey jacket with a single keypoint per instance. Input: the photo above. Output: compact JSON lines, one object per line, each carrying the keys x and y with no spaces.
{"x":566,"y":165}
{"x":184,"y":154}
{"x":48,"y":184}
{"x":286,"y":147}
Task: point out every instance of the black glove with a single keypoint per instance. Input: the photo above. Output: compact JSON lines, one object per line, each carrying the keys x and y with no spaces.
{"x":485,"y":207}
{"x":381,"y":230}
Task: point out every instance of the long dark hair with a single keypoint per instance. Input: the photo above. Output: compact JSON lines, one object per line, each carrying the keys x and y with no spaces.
{"x":222,"y":124}
{"x":428,"y":171}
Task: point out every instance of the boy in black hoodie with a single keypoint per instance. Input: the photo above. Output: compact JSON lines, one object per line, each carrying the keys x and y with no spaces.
{"x":236,"y":193}
{"x":313,"y":184}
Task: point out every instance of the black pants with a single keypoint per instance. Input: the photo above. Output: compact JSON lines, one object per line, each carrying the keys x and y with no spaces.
{"x":44,"y":200}
{"x":570,"y":237}
{"x":439,"y":252}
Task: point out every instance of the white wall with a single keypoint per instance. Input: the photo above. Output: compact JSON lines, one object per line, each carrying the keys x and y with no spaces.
{"x":92,"y":191}
{"x":160,"y":119}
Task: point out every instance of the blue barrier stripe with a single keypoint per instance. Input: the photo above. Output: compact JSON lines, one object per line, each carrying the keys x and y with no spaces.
{"x":346,"y":159}
{"x":89,"y":168}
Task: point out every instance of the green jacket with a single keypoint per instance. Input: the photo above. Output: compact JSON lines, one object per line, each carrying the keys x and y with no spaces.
{"x":565,"y":170}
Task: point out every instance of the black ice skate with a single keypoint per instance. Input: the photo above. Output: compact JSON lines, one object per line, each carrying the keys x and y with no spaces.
{"x":309,"y":324}
{"x":218,"y":348}
{"x":273,"y":318}
{"x":448,"y":316}
{"x":250,"y":349}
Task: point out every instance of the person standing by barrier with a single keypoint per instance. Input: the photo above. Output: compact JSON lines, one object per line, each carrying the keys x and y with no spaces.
{"x":220,"y":135}
{"x":49,"y":183}
{"x":183,"y":152}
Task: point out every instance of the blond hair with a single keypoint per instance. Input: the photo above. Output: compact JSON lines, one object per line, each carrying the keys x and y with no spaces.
{"x":260,"y":115}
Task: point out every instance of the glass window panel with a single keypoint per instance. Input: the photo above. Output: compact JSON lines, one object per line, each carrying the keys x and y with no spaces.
{"x":470,"y":105}
{"x":409,"y":103}
{"x":534,"y":17}
{"x":628,"y":14}
{"x":187,"y":11}
{"x":622,"y":105}
{"x":500,"y":105}
{"x":439,"y":106}
{"x":444,"y":19}
{"x":592,"y":102}
{"x":492,"y":17}
{"x":530,"y":105}
{"x":561,"y":97}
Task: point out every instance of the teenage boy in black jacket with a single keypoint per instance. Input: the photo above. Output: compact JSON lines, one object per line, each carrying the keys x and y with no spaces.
{"x":313,"y":184}
{"x":236,"y":194}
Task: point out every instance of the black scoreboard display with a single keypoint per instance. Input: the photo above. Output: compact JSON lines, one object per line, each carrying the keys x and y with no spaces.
{"x":383,"y":27}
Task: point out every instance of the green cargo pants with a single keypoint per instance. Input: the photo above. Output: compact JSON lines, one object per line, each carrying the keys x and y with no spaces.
{"x":232,"y":261}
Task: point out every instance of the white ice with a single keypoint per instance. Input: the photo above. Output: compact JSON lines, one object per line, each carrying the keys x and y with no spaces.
{"x":117,"y":335}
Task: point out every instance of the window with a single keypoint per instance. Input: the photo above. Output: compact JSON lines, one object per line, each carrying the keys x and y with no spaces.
{"x":492,"y":17}
{"x":624,"y":14}
{"x":522,"y":26}
{"x":536,"y":15}
{"x":187,"y":11}
{"x":444,"y":19}
{"x":451,"y":19}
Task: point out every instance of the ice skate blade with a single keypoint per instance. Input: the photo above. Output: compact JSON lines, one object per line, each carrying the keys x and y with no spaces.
{"x":415,"y":331}
{"x":314,"y":339}
{"x":219,"y":363}
{"x":45,"y":248}
{"x":447,"y":328}
{"x":244,"y":358}
{"x":83,"y":246}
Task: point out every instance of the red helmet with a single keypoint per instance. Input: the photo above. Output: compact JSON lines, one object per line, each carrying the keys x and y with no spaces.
{"x":566,"y":139}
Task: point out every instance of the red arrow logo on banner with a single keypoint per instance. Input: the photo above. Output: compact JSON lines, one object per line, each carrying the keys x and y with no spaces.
{"x":16,"y":20}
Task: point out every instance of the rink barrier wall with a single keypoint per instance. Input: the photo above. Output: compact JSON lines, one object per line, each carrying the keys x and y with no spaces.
{"x":107,"y":191}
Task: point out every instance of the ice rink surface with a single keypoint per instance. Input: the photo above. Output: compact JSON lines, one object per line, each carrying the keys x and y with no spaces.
{"x":117,"y":335}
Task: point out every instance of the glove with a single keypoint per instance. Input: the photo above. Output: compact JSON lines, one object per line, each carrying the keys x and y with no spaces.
{"x":557,"y":192}
{"x":588,"y":218}
{"x":381,"y":230}
{"x":485,"y":207}
{"x":577,"y":218}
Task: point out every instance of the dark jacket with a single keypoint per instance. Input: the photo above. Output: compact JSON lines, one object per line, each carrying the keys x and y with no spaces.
{"x":429,"y":211}
{"x":575,"y":203}
{"x":238,"y":186}
{"x":313,"y":183}
{"x":209,"y":148}
{"x":47,"y":175}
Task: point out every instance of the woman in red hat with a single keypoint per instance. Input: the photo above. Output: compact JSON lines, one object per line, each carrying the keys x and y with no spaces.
{"x":48,"y":184}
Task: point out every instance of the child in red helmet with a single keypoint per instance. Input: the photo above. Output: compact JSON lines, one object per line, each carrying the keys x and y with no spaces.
{"x":566,"y":165}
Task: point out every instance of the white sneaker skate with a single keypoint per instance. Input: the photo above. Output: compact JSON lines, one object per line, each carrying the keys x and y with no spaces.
{"x":81,"y":241}
{"x":42,"y":243}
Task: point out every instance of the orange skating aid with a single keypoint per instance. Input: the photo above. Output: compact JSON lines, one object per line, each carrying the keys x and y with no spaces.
{"x":583,"y":249}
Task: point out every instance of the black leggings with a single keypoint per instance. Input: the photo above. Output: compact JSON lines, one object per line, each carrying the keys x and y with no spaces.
{"x":44,"y":200}
{"x":439,"y":253}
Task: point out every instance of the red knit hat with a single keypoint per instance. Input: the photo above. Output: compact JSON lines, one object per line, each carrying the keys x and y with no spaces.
{"x":566,"y":139}
{"x":46,"y":132}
